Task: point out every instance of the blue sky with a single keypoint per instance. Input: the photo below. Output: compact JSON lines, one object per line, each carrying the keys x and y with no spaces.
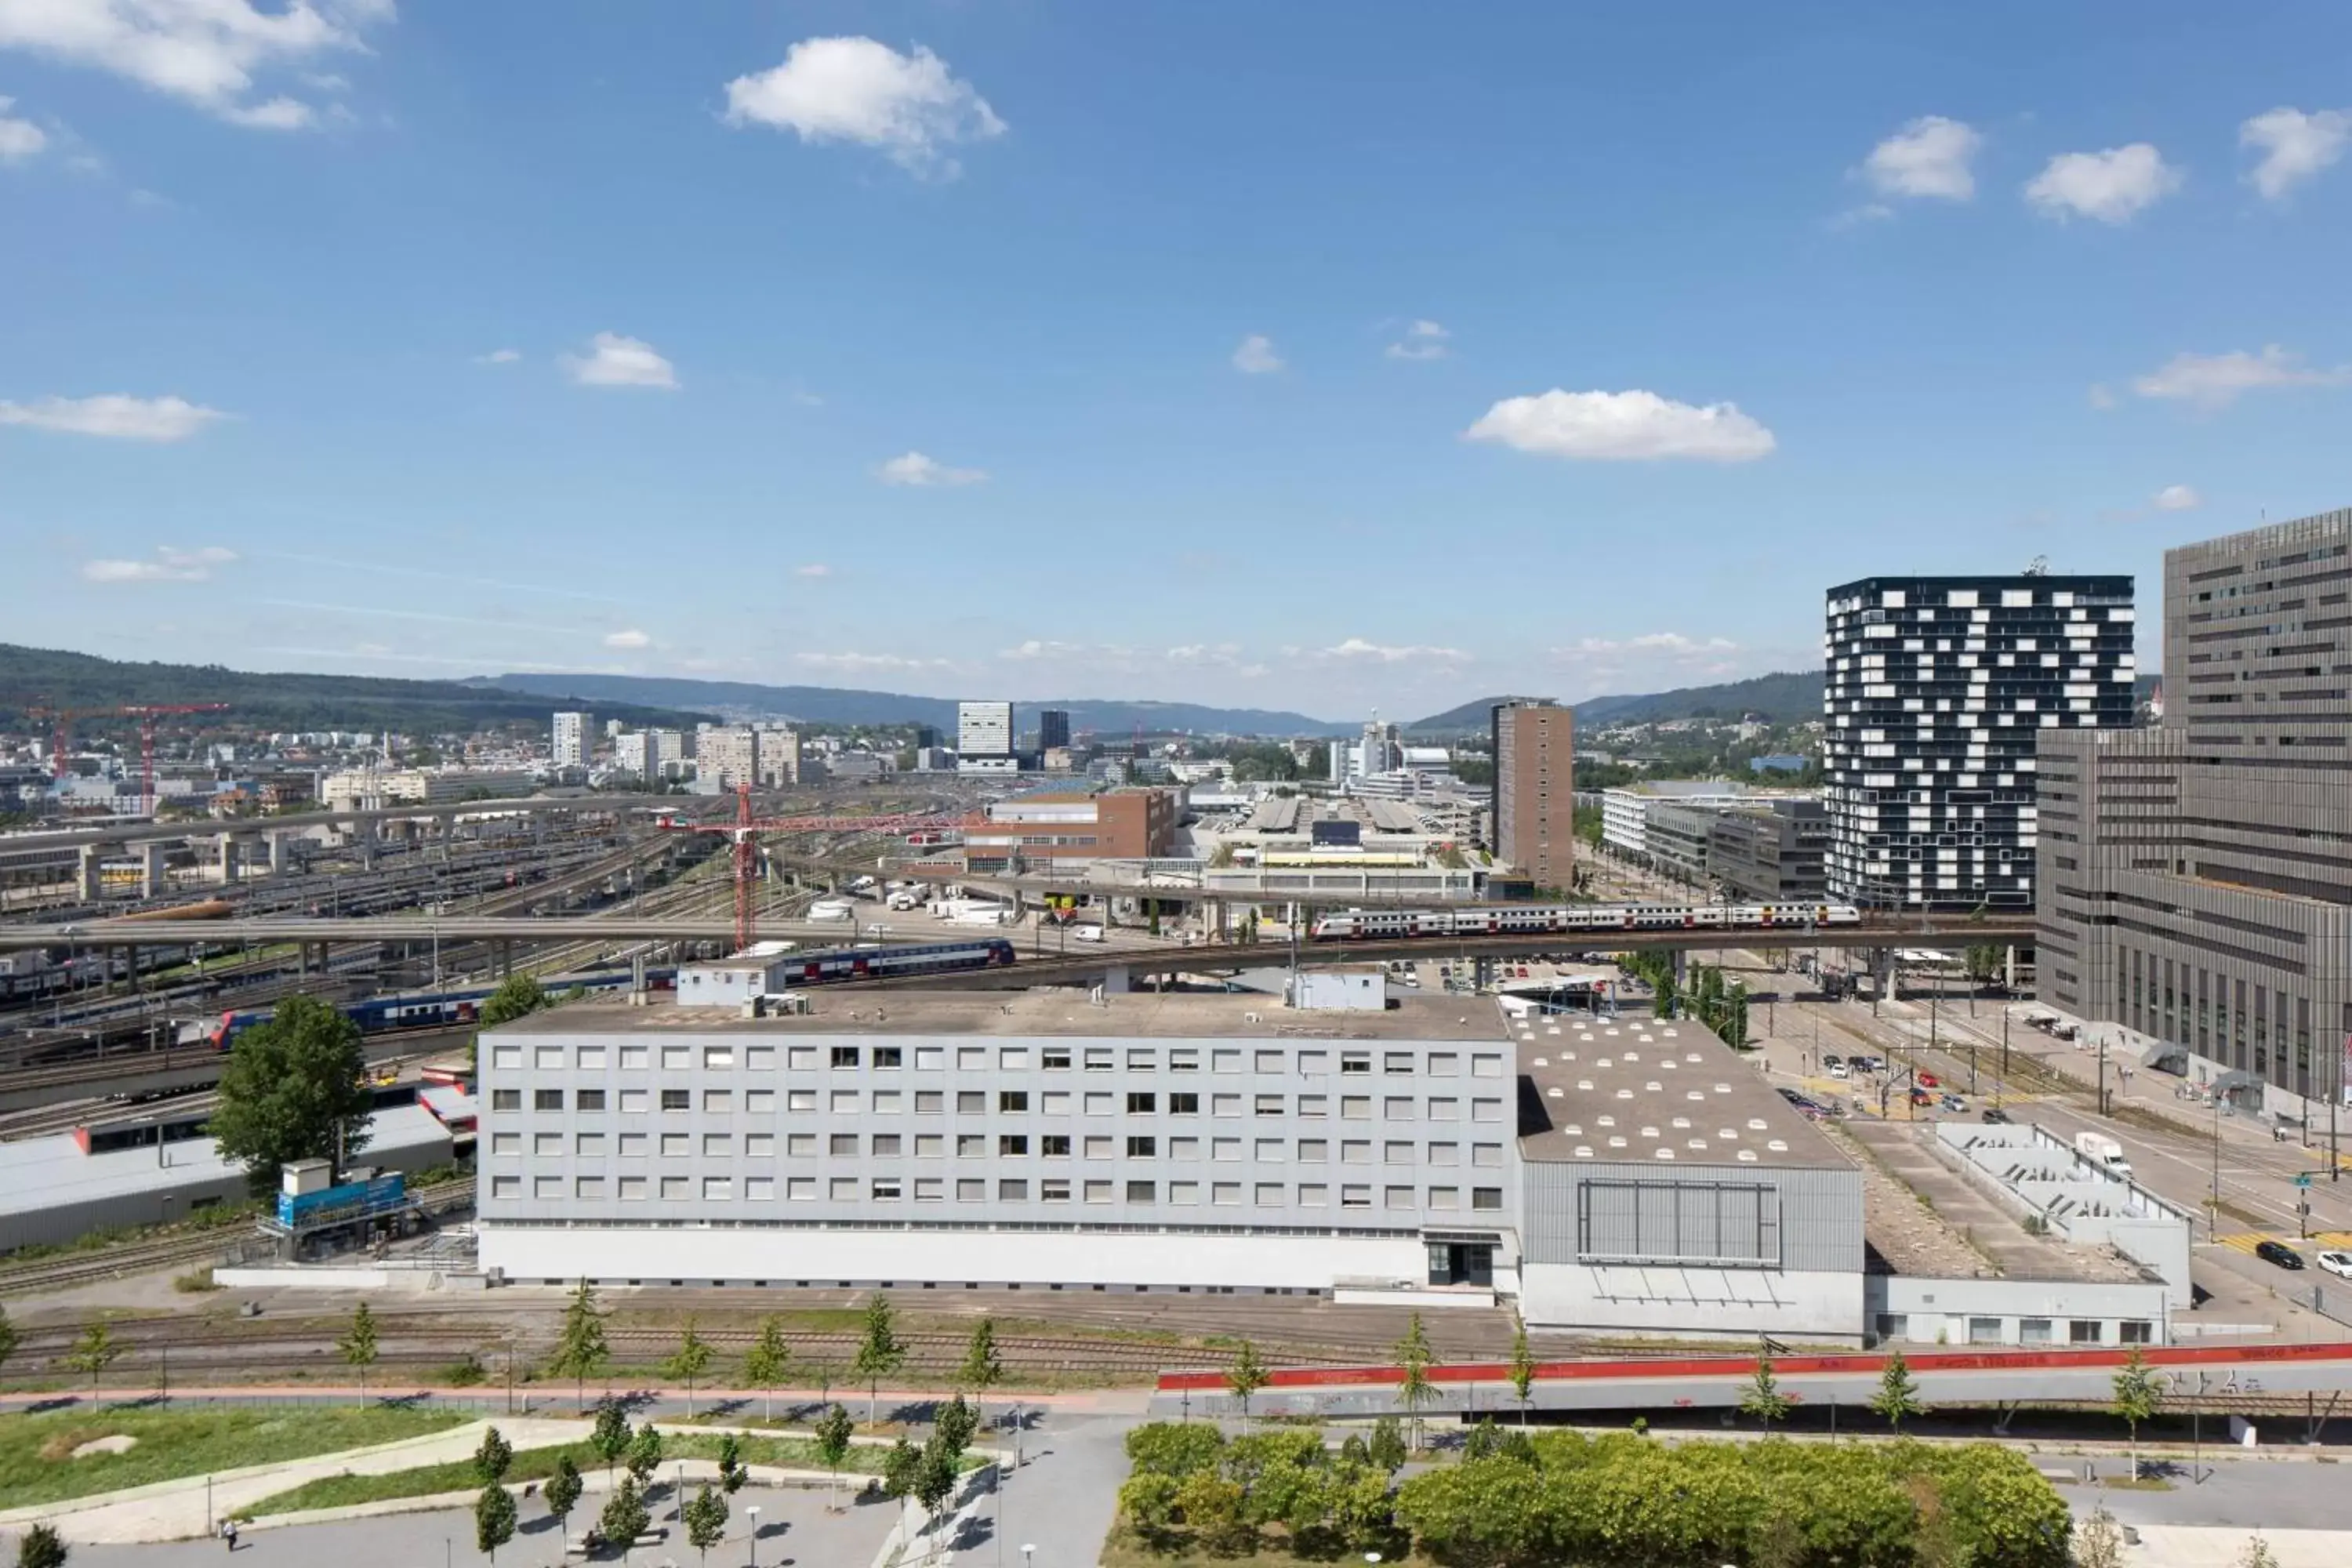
{"x":1314,"y":356}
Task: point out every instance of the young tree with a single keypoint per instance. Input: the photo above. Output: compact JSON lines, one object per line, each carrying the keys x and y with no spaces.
{"x":582,"y":1351}
{"x":7,"y":1337}
{"x":610,"y":1437}
{"x":2099,"y":1541}
{"x":901,"y":1468}
{"x":625,"y":1517}
{"x":705,"y":1522}
{"x":880,"y":1352}
{"x":692,"y":1359}
{"x":359,"y":1346}
{"x":493,"y":1458}
{"x":731,"y":1471}
{"x":936,"y":1475}
{"x":41,"y":1547}
{"x":982,"y":1368}
{"x":94,"y":1351}
{"x":2256,"y":1553}
{"x":1897,"y":1398}
{"x":562,"y":1493}
{"x":1762,"y":1397}
{"x":493,"y":1518}
{"x":1413,"y":1355}
{"x":644,"y":1454}
{"x":2138,"y":1395}
{"x":956,"y":1424}
{"x":1387,"y":1447}
{"x":518,"y":996}
{"x":293,"y":1088}
{"x":833,"y":1432}
{"x":1523,"y":1370}
{"x":768,"y":1361}
{"x":1246,"y":1377}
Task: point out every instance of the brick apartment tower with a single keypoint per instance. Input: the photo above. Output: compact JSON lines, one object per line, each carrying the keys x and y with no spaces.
{"x":1534,"y":790}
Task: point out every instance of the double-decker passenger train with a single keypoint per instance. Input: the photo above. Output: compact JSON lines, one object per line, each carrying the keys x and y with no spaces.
{"x":894,"y":963}
{"x":434,"y":1010}
{"x":1513,"y":919}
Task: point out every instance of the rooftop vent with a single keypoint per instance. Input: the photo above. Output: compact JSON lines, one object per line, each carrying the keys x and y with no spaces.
{"x":1756,"y":1124}
{"x":1584,"y":1084}
{"x":1776,"y":1145}
{"x":1728,"y":1135}
{"x":1695,"y":1094}
{"x":1618,"y":1142}
{"x":1556,"y":1092}
{"x":1699,"y":1145}
{"x":1541,"y":1063}
{"x":1666,"y":1153}
{"x":1654,"y":1086}
{"x":1604,"y":1121}
{"x":1749,"y":1155}
{"x":1681,"y":1121}
{"x":1584,"y":1151}
{"x":1625,"y":1094}
{"x":1649,"y":1132}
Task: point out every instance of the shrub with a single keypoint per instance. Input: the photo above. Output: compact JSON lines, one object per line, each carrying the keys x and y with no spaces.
{"x":1174,"y":1448}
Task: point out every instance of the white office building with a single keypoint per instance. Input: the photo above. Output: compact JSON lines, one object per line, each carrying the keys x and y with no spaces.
{"x":572,"y":739}
{"x":984,"y":729}
{"x":729,"y":757}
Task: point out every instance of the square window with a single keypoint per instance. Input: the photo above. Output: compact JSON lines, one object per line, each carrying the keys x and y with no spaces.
{"x":1314,"y":1063}
{"x":930,"y":1189}
{"x":506,"y":1058}
{"x":1354,"y":1062}
{"x":930,"y":1146}
{"x":1489,"y":1155}
{"x":1053,"y":1058}
{"x":1270,"y":1150}
{"x":548,"y":1058}
{"x":1012,"y":1058}
{"x":1225,"y":1105}
{"x":506,"y":1144}
{"x":843,"y":1103}
{"x":632,"y":1189}
{"x":1141,"y":1059}
{"x":1098,"y":1192}
{"x":1396,"y":1151}
{"x":801,"y":1059}
{"x":1445,"y":1064}
{"x":1054,"y":1146}
{"x":718,"y":1056}
{"x":1314,"y":1195}
{"x":1011,"y":1145}
{"x":1485,"y":1110}
{"x":1184,"y":1192}
{"x":676,"y":1058}
{"x":588,"y":1187}
{"x":675,"y":1099}
{"x":972,"y":1058}
{"x":1183,"y":1058}
{"x":1397,"y":1108}
{"x":1356,"y":1152}
{"x":676,"y":1189}
{"x":801,"y":1145}
{"x":888,"y":1145}
{"x":1314,"y":1106}
{"x":1314,"y":1150}
{"x":2083,"y":1331}
{"x":888,"y":1058}
{"x":676,"y":1145}
{"x":588,"y":1143}
{"x":1225,"y":1149}
{"x":719,"y":1100}
{"x":930,"y":1058}
{"x":759,"y":1189}
{"x":717,"y":1144}
{"x":1183,"y":1148}
{"x":1184,"y":1104}
{"x":588,"y":1099}
{"x":1486,"y":1198}
{"x":633,"y":1100}
{"x":842,"y":1145}
{"x":1266,"y":1105}
{"x":1054,"y":1102}
{"x":971,"y":1189}
{"x":1222,"y":1060}
{"x":1446,"y":1109}
{"x":547,"y":1144}
{"x":1098,"y":1146}
{"x":888,"y":1101}
{"x":1397,"y":1198}
{"x":1099,"y":1102}
{"x":845,"y":1056}
{"x":1445,"y":1153}
{"x":886,"y":1189}
{"x":1396,"y":1064}
{"x":634,"y":1145}
{"x":590,"y":1058}
{"x":760,"y":1059}
{"x":1352,"y":1197}
{"x":1142,"y":1103}
{"x":1142,"y":1192}
{"x":547,"y":1100}
{"x":759,"y":1101}
{"x":1268,"y":1061}
{"x":799,"y":1190}
{"x":796,"y":1100}
{"x":930,"y":1102}
{"x":1355,"y":1107}
{"x":972,"y":1145}
{"x":635,"y":1058}
{"x":760,"y":1146}
{"x":1445,"y":1197}
{"x":1271,"y":1194}
{"x":547,"y":1187}
{"x":1484,"y":1065}
{"x":1143,"y":1148}
{"x":1098,"y":1058}
{"x":717,"y":1189}
{"x":1049,"y":1192}
{"x":971,"y":1102}
{"x":1226,"y":1194}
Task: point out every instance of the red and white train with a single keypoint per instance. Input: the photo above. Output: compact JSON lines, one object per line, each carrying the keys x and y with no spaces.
{"x":1513,"y":919}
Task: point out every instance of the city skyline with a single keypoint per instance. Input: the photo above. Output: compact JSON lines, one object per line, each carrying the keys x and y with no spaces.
{"x":348,"y":347}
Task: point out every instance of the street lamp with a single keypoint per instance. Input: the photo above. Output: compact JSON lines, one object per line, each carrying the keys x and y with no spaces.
{"x":753,"y":1513}
{"x":1028,"y":1554}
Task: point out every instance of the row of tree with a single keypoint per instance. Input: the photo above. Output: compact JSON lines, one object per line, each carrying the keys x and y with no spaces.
{"x":1701,"y":994}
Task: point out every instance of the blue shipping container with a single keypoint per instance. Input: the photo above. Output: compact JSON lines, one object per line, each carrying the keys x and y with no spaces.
{"x":353,"y":1200}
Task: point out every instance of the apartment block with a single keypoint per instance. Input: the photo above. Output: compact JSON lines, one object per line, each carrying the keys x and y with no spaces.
{"x":1534,"y":790}
{"x":1938,"y":689}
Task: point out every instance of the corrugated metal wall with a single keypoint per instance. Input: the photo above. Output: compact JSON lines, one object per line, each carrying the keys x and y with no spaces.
{"x":1808,"y":1219}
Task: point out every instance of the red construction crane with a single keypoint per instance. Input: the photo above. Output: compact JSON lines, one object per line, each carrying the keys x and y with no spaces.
{"x":740,"y":833}
{"x":147,"y":713}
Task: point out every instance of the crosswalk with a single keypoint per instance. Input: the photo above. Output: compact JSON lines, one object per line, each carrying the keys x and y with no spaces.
{"x":2244,"y":1240}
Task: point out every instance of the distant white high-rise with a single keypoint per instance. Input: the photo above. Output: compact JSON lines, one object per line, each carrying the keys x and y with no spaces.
{"x":571,"y":739}
{"x":984,"y":729}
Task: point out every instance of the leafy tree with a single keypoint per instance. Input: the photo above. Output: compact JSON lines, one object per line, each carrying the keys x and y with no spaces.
{"x":2099,"y":1541}
{"x":493,"y":1518}
{"x":626,"y":1516}
{"x":582,"y":1351}
{"x":1523,"y":1370}
{"x":1661,"y":1004}
{"x":1982,"y":961}
{"x":610,"y":1437}
{"x":1735,"y":1018}
{"x":7,"y":1337}
{"x":1213,"y":1508}
{"x":982,"y":1368}
{"x":563,"y":1490}
{"x":901,"y":1468}
{"x":94,"y":1351}
{"x":956,"y":1424}
{"x":731,"y":1472}
{"x":357,"y":1348}
{"x":880,"y":1352}
{"x":1355,"y":1453}
{"x":644,"y":1454}
{"x":1897,"y":1398}
{"x":768,"y":1360}
{"x":518,"y":996}
{"x":1246,"y":1377}
{"x":1174,"y":1448}
{"x":1387,"y":1447}
{"x":937,"y":1472}
{"x":2137,"y":1397}
{"x":691,"y":1360}
{"x":41,"y":1547}
{"x":294,"y":1088}
{"x":1762,"y":1397}
{"x":1413,"y":1356}
{"x":493,"y":1458}
{"x":705,"y":1522}
{"x":833,"y":1434}
{"x":1147,"y":1499}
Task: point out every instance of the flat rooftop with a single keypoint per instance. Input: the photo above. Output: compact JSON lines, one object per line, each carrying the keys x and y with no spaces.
{"x":1924,"y":1218}
{"x":1045,"y":1011}
{"x":1628,"y":1089}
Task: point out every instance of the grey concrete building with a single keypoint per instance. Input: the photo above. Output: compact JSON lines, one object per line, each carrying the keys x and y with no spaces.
{"x":1937,"y":688}
{"x":1774,"y":852}
{"x":1535,"y":789}
{"x":2198,"y":875}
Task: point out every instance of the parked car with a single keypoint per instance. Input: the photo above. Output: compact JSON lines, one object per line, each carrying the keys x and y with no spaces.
{"x":2337,"y":1263}
{"x":2278,"y":1252}
{"x":1921,"y":1097}
{"x":1837,"y":1070}
{"x":1995,"y":1114}
{"x":1953,"y":1102}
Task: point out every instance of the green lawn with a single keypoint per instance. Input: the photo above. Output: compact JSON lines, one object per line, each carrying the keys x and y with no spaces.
{"x":37,"y":1462}
{"x":538,"y":1464}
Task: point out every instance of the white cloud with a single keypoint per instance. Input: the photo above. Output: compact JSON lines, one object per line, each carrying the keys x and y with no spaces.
{"x":915,"y":469}
{"x":1358,"y":648}
{"x":813,"y":569}
{"x":1929,"y":157}
{"x":2176,"y":497}
{"x":1033,"y":648}
{"x":632,"y":638}
{"x":1613,"y":426}
{"x":499,"y":356}
{"x":1673,"y":643}
{"x":168,"y":566}
{"x":2294,"y":146}
{"x":1256,"y":355}
{"x":19,"y":139}
{"x":1225,"y":655}
{"x":1421,"y":339}
{"x":114,"y":415}
{"x":2112,"y":185}
{"x":202,"y":52}
{"x":616,"y":361}
{"x":855,"y":89}
{"x":860,"y":663}
{"x":2214,"y":380}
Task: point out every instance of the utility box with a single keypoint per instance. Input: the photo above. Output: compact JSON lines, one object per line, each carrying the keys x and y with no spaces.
{"x":300,"y":1178}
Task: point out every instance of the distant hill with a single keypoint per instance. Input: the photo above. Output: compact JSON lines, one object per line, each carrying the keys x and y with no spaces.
{"x":841,"y":705}
{"x":49,"y":678}
{"x":1779,"y":699}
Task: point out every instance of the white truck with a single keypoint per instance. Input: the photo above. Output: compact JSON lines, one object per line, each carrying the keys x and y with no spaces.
{"x":2102,"y":1151}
